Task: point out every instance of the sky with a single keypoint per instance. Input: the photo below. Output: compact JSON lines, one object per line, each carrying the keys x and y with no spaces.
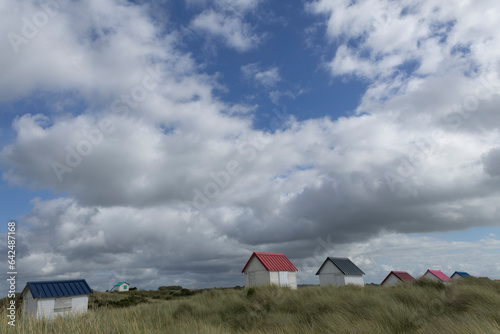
{"x":162,"y":142}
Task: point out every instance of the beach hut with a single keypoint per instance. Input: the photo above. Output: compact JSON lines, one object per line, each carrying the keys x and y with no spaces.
{"x":52,"y":298}
{"x":270,"y":268}
{"x":339,"y":271}
{"x":437,"y":275}
{"x":397,"y":277}
{"x":120,"y":287}
{"x":458,"y":275}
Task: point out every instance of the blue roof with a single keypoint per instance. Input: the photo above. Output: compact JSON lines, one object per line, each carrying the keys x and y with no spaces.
{"x":51,"y":289}
{"x":461,"y":273}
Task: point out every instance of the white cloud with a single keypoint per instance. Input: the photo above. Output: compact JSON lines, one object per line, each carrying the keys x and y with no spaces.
{"x":76,"y":51}
{"x":266,"y":77}
{"x":386,"y":35}
{"x":232,"y":29}
{"x":420,"y":156}
{"x":141,"y":181}
{"x":389,"y":251}
{"x":236,"y":6}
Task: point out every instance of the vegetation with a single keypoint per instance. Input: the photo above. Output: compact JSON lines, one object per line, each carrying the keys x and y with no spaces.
{"x":170,"y":287}
{"x":469,"y":306}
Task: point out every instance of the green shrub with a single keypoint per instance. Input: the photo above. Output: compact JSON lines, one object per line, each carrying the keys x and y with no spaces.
{"x":170,"y":287}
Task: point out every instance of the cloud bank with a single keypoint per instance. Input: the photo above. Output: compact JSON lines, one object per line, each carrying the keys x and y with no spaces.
{"x":162,"y":184}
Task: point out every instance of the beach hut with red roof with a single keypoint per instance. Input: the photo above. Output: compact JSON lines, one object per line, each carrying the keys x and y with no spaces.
{"x":270,"y":268}
{"x":437,"y":275}
{"x":397,"y":277}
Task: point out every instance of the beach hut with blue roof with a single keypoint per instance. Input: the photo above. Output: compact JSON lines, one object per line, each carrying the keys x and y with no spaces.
{"x":47,"y":299}
{"x":458,"y":275}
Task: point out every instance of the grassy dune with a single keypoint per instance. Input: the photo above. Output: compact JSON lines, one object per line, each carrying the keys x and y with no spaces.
{"x":471,"y":306}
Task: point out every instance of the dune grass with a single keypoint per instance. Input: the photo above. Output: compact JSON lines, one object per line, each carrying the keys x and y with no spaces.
{"x":470,"y":306}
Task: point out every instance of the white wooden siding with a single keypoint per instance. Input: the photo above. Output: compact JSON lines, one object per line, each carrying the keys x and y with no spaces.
{"x":30,"y":305}
{"x":392,"y":280}
{"x":331,"y":275}
{"x":283,"y":277}
{"x":80,"y":304}
{"x":256,"y":273}
{"x":292,"y":279}
{"x":262,"y":277}
{"x":255,"y":265}
{"x":330,"y":268}
{"x":274,"y":277}
{"x":331,"y":278}
{"x":44,"y":307}
{"x":354,"y":279}
{"x":62,"y":304}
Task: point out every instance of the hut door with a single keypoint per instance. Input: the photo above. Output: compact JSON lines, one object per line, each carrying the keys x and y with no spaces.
{"x":251,"y":279}
{"x":283,"y":278}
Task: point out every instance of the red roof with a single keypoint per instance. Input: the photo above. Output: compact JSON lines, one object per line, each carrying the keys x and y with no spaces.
{"x":402,"y":275}
{"x":272,"y":262}
{"x":439,"y":274}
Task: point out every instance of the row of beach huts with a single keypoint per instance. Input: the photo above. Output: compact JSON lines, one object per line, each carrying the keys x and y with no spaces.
{"x":276,"y":268}
{"x":51,"y":298}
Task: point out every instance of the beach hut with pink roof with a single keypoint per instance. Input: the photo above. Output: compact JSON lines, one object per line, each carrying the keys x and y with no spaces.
{"x":437,"y":275}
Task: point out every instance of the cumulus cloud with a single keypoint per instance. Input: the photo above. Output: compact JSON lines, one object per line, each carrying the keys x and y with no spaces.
{"x":491,"y":162}
{"x":266,"y":77}
{"x":76,"y":52}
{"x":159,"y":179}
{"x":276,"y":95}
{"x":228,"y":26}
{"x":237,"y":6}
{"x":381,"y":38}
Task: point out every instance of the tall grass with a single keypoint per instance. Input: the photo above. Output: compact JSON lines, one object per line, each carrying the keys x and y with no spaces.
{"x":470,"y":306}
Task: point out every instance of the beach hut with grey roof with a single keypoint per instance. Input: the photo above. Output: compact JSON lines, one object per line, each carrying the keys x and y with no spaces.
{"x":339,"y":271}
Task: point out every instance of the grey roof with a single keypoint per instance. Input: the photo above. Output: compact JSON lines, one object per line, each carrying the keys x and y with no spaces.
{"x":51,"y":289}
{"x":344,"y":265}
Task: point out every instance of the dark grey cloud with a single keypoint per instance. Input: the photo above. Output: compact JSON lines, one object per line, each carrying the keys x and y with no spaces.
{"x":491,"y":162}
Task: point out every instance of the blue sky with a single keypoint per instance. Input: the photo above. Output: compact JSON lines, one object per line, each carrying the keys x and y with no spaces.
{"x":146,"y":141}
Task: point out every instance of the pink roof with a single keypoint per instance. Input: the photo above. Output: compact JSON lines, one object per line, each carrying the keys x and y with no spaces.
{"x":402,"y":275}
{"x":272,"y":262}
{"x":439,"y":274}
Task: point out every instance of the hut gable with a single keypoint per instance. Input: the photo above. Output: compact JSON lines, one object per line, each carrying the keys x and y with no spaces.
{"x":120,"y":286}
{"x":437,"y":275}
{"x":270,"y":268}
{"x":52,"y":298}
{"x":457,"y":275}
{"x":272,"y":262}
{"x":339,"y":271}
{"x":396,"y":277}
